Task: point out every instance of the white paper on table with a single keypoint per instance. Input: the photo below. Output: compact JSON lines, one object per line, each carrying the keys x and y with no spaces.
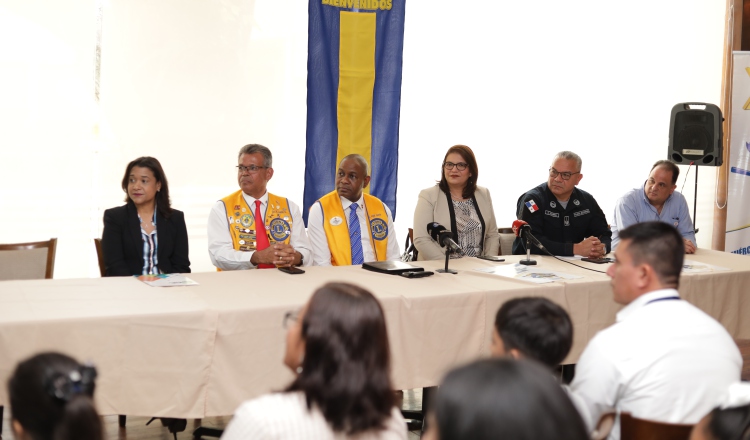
{"x":167,"y":280}
{"x":527,"y":273}
{"x":690,"y":266}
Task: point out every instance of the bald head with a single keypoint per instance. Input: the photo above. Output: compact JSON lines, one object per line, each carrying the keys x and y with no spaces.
{"x":352,"y":177}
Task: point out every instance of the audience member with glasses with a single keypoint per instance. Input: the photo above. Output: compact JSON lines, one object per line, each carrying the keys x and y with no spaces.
{"x":337,"y":346}
{"x":252,"y":228}
{"x":461,"y":206}
{"x":565,"y":219}
{"x":145,"y":236}
{"x":51,"y":398}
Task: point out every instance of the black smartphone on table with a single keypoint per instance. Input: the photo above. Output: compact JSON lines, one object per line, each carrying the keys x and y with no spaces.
{"x":291,"y":270}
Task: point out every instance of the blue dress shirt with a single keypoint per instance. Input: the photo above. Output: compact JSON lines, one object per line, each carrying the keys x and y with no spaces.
{"x":634,"y":207}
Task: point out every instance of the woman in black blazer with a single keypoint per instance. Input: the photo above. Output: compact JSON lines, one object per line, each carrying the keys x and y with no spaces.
{"x":145,"y":236}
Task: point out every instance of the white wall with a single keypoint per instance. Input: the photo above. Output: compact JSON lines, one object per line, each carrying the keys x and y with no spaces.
{"x":190,"y":82}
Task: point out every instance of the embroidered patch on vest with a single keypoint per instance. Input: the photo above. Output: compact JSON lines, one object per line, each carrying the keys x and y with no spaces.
{"x":580,"y":213}
{"x":279,"y":229}
{"x":379,"y":229}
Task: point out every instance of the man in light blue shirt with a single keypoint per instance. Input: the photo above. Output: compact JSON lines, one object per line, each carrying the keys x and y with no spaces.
{"x":656,"y":200}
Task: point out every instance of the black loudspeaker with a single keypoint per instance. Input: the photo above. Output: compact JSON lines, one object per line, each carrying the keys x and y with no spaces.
{"x":695,"y":134}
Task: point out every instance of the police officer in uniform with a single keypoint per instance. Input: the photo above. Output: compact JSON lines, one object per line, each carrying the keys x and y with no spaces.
{"x":565,"y":219}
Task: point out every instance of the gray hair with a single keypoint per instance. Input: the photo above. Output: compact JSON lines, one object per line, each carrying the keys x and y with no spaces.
{"x":360,"y":159}
{"x":569,"y":155}
{"x":258,"y":148}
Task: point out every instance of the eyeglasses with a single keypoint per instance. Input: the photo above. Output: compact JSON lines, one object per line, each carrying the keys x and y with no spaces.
{"x":250,"y":169}
{"x":565,"y":176}
{"x":290,"y":318}
{"x":461,"y":165}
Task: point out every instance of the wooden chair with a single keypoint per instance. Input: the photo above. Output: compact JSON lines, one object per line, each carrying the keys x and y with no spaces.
{"x":100,"y":256}
{"x":28,"y":261}
{"x":632,"y":428}
{"x":744,"y":346}
{"x":506,"y":241}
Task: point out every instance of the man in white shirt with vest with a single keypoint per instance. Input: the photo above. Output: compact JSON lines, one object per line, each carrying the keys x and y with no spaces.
{"x":349,"y":227}
{"x":237,"y":240}
{"x":664,"y":359}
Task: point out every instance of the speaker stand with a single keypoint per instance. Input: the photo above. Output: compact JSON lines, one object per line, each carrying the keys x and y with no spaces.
{"x":695,"y":202}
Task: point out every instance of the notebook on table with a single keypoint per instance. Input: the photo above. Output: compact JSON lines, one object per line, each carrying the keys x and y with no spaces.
{"x":391,"y":267}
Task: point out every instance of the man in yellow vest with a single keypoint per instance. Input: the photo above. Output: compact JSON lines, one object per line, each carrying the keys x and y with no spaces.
{"x":349,"y":227}
{"x":252,"y":228}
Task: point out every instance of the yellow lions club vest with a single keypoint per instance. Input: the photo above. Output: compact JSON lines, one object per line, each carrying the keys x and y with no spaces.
{"x":336,"y":225}
{"x":241,"y":219}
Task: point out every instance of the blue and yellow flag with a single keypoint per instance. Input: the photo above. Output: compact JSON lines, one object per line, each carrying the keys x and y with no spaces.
{"x":354,"y":59}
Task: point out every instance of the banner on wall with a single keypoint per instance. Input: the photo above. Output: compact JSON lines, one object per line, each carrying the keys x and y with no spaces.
{"x":738,"y":191}
{"x":354,"y":60}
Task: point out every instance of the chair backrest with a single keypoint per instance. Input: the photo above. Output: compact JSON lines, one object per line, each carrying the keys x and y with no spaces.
{"x":100,"y":256}
{"x":506,"y":240}
{"x":28,"y":261}
{"x":632,"y":428}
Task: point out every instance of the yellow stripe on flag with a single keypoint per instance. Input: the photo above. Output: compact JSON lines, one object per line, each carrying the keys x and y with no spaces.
{"x":356,"y":84}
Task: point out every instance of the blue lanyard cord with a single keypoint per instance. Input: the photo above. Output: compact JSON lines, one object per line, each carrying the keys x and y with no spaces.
{"x":667,"y":298}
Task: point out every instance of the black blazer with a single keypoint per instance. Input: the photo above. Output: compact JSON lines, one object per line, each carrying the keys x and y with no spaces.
{"x":122,"y":244}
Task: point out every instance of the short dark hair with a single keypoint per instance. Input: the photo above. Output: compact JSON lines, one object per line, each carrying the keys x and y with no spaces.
{"x":503,"y":398}
{"x":537,"y":327}
{"x":730,"y":423}
{"x":163,"y":204}
{"x":471,"y":161}
{"x":258,"y":148}
{"x":659,"y":245}
{"x":47,"y":405}
{"x":670,"y":166}
{"x":346,"y":368}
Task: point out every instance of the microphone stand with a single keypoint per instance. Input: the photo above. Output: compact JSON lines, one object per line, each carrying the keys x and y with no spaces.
{"x":448,"y":253}
{"x":528,"y":261}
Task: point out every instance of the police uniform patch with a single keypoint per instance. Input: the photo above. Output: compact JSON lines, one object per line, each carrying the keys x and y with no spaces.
{"x":379,"y":229}
{"x":279,"y":229}
{"x":531,"y":205}
{"x":552,"y":204}
{"x":576,"y":202}
{"x":566,"y":220}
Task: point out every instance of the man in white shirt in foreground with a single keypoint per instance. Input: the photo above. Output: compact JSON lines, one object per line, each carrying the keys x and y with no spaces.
{"x":664,"y":359}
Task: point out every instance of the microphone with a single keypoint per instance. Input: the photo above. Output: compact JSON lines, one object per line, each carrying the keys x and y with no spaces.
{"x":442,"y":236}
{"x":523,"y":230}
